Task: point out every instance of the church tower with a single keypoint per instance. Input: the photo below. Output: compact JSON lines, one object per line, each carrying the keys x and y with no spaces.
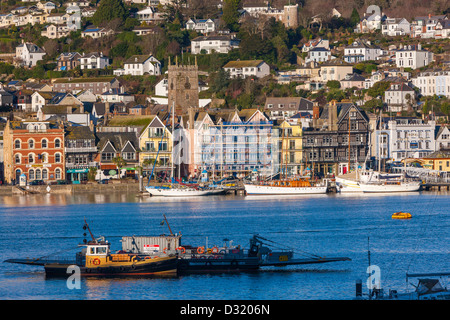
{"x":183,"y":86}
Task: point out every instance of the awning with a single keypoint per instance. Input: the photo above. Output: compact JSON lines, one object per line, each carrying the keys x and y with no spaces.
{"x":77,"y":170}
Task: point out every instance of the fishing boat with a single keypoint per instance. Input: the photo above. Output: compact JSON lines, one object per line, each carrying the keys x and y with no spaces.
{"x":96,"y":259}
{"x":285,"y":187}
{"x":401,"y":215}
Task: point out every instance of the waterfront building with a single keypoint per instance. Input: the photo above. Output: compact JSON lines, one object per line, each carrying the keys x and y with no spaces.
{"x":442,"y":138}
{"x":235,"y":143}
{"x":155,"y":143}
{"x":35,"y":149}
{"x":326,"y":146}
{"x":112,"y":145}
{"x":404,"y":137}
{"x":290,"y":150}
{"x":439,"y":161}
{"x":80,"y":152}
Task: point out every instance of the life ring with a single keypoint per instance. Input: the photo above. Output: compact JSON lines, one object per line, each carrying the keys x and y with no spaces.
{"x":147,"y":258}
{"x":215,"y":250}
{"x":201,"y":250}
{"x":164,"y":251}
{"x":96,"y":261}
{"x":182,"y":249}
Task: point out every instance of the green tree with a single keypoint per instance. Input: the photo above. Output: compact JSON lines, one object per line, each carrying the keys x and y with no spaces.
{"x":231,"y":14}
{"x":119,"y":162}
{"x":333,"y":84}
{"x":109,"y":10}
{"x":354,"y":18}
{"x":378,"y":89}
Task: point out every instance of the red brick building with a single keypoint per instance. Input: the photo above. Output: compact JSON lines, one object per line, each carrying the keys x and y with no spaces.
{"x":33,"y":148}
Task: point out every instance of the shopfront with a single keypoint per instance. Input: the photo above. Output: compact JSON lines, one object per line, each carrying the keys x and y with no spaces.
{"x":76,"y":176}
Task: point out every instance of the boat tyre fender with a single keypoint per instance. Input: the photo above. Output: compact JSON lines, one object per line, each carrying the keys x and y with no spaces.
{"x":133,"y":267}
{"x":182,"y":249}
{"x":87,"y":270}
{"x":222,"y":251}
{"x":121,"y":269}
{"x":201,"y":250}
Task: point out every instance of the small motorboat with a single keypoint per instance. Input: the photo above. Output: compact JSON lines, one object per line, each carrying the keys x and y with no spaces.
{"x":401,"y":215}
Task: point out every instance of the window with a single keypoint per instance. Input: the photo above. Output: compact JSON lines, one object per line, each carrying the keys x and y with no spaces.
{"x":17,"y":158}
{"x":44,"y":143}
{"x":58,"y":174}
{"x":31,"y":144}
{"x":44,"y":174}
{"x":30,"y":158}
{"x":17,"y":144}
{"x":31,"y":174}
{"x":58,"y":157}
{"x":57,"y":143}
{"x":38,"y":174}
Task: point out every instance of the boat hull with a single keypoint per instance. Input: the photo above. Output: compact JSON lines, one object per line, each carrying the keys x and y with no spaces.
{"x":180,"y":192}
{"x":383,"y":188}
{"x":217,"y":264}
{"x":159,"y":266}
{"x":345,"y":185}
{"x":251,"y":189}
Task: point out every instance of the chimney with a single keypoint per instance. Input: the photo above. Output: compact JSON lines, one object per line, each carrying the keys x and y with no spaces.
{"x":316,"y":110}
{"x":332,"y":116}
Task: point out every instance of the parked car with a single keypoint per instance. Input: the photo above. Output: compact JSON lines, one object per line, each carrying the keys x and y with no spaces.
{"x":37,"y":183}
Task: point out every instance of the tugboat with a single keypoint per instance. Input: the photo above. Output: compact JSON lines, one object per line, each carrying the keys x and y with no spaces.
{"x":97,"y":260}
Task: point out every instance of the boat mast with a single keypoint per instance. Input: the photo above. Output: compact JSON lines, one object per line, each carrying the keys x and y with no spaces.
{"x":165,"y":219}
{"x":173,"y":134}
{"x":86,"y":226}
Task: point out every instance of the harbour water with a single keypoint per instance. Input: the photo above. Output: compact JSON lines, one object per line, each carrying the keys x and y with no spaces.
{"x":326,"y":225}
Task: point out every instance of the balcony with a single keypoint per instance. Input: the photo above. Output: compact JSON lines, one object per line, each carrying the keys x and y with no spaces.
{"x":80,"y":149}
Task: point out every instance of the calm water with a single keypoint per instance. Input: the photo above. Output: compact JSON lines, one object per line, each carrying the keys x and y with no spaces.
{"x":329,"y":225}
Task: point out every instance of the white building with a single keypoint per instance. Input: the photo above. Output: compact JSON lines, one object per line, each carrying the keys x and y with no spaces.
{"x":220,"y":44}
{"x":246,"y":68}
{"x":370,"y":23}
{"x":318,"y":55}
{"x":361,"y":51}
{"x":442,"y":138}
{"x":201,"y":25}
{"x":140,"y":65}
{"x":403,"y":138}
{"x":94,"y":60}
{"x":316,"y":43}
{"x":412,"y":56}
{"x":395,"y":27}
{"x":96,"y":33}
{"x":399,"y":97}
{"x":149,"y":15}
{"x":433,"y":82}
{"x":425,"y":27}
{"x":28,"y":54}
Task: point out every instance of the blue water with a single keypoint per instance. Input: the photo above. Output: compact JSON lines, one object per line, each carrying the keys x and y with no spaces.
{"x":326,"y":225}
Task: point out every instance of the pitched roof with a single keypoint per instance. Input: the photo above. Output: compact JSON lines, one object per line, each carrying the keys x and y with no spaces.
{"x":138,"y":59}
{"x":243,"y":63}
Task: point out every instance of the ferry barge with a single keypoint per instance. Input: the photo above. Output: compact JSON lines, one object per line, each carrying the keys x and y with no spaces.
{"x":96,"y":259}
